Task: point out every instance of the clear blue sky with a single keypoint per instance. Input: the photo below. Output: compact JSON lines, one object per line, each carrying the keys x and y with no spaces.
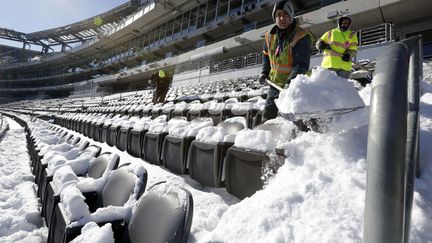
{"x":34,"y":15}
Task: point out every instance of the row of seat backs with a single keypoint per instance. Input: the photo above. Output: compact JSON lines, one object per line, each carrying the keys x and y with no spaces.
{"x":160,"y":150}
{"x":174,"y":218}
{"x":205,"y":162}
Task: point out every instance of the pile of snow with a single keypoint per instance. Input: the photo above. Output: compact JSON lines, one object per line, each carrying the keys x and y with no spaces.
{"x":265,"y":140}
{"x":92,"y":233}
{"x":190,"y":129}
{"x":258,"y":140}
{"x":322,"y":91}
{"x":216,"y":134}
{"x":73,"y":203}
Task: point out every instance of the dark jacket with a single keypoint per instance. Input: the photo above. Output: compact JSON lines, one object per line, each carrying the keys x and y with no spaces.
{"x":161,"y":84}
{"x":301,"y":52}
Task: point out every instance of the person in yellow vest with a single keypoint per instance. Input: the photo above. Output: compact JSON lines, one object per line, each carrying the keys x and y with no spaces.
{"x":161,"y":84}
{"x":339,"y":47}
{"x":286,"y":53}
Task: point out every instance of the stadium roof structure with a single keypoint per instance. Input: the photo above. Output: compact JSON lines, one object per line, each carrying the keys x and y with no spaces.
{"x":76,"y":32}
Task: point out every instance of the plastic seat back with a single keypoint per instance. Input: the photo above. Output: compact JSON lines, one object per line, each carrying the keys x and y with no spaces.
{"x":163,"y":214}
{"x":101,"y":163}
{"x":119,"y":187}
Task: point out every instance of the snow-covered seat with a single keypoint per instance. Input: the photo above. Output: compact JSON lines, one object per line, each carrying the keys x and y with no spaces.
{"x":63,"y":151}
{"x":207,"y":152}
{"x":196,"y":110}
{"x":156,"y":110}
{"x":255,"y":152}
{"x":122,"y":189}
{"x":136,"y":136}
{"x":216,"y":111}
{"x":176,"y":145}
{"x":96,"y":126}
{"x":68,"y":140}
{"x":106,"y":127}
{"x":243,"y":109}
{"x":163,"y":214}
{"x":153,"y":139}
{"x":96,"y":169}
{"x":80,"y":157}
{"x":114,"y":129}
{"x":167,"y":109}
{"x":180,"y":109}
{"x":124,"y":132}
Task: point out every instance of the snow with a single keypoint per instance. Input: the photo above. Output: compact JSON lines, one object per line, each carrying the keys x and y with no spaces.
{"x":73,"y":203}
{"x":258,"y":140}
{"x":211,"y":135}
{"x":92,"y":233}
{"x":322,"y":91}
{"x":20,"y":220}
{"x":317,"y":195}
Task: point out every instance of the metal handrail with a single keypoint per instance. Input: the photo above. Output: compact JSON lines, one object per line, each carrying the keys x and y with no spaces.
{"x":392,"y":154}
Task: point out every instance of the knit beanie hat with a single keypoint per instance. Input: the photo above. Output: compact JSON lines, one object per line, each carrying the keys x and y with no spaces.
{"x":285,"y":6}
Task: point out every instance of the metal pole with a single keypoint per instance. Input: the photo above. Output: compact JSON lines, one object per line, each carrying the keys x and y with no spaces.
{"x":385,"y":201}
{"x":414,"y":77}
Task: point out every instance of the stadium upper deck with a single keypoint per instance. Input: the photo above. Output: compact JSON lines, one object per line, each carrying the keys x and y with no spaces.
{"x":145,"y":36}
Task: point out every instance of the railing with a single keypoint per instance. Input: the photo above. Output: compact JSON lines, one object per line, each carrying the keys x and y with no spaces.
{"x":376,"y":34}
{"x":250,"y":59}
{"x":392,"y":156}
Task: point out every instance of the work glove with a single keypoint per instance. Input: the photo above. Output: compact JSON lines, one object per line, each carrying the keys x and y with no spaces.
{"x":323,"y":46}
{"x":262,"y":79}
{"x":346,"y":57}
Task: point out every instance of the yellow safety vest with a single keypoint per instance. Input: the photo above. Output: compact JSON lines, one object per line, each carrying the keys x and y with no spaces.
{"x":281,"y":65}
{"x":339,"y":42}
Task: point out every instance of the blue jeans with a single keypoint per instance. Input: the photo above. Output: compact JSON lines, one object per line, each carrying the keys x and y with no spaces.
{"x":270,"y":108}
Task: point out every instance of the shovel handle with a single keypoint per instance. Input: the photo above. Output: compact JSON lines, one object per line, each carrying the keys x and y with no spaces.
{"x":274,"y":85}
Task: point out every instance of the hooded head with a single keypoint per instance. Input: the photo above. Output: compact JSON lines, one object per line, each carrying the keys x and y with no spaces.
{"x":285,"y":6}
{"x":161,"y":73}
{"x":344,"y":23}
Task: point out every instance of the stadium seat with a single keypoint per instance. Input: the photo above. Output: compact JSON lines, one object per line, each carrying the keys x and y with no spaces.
{"x":71,"y":153}
{"x":174,"y":153}
{"x":97,"y":168}
{"x":243,"y":167}
{"x":163,"y":214}
{"x":47,"y":176}
{"x":152,"y":147}
{"x":104,"y":132}
{"x":205,"y":160}
{"x":122,"y":141}
{"x":135,"y":141}
{"x":121,"y":184}
{"x":196,"y":110}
